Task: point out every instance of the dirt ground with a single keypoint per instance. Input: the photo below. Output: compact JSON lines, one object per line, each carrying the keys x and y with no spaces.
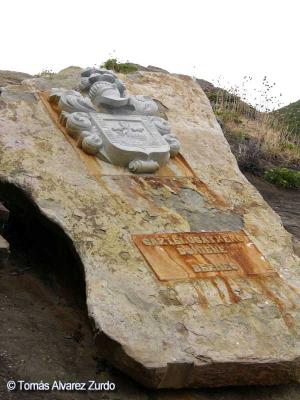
{"x":285,"y":202}
{"x":46,"y":335}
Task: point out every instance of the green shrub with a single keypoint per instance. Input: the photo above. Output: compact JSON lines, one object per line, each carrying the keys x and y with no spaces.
{"x":213,"y":96}
{"x":284,"y":177}
{"x":240,"y":135}
{"x":237,"y":120}
{"x":114,"y":65}
{"x":288,"y":145}
{"x":229,"y":116}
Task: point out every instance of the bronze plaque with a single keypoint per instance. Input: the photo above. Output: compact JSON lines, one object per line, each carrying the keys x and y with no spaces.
{"x":194,"y":255}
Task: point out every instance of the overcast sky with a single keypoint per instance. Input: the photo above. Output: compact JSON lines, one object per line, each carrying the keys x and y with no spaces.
{"x":204,"y":38}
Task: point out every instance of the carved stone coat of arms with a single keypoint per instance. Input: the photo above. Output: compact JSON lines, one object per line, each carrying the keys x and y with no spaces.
{"x":117,"y":128}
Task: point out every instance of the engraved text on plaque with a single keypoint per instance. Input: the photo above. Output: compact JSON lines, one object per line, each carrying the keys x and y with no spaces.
{"x":192,"y":255}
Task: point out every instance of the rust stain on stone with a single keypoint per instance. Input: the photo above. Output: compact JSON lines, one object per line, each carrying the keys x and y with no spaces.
{"x":175,"y":184}
{"x":201,"y":297}
{"x":234,"y":298}
{"x":192,"y":256}
{"x":221,"y":294}
{"x":89,"y":161}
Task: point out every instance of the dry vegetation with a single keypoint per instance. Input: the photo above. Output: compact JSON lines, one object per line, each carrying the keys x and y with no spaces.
{"x":258,"y":145}
{"x":260,"y":142}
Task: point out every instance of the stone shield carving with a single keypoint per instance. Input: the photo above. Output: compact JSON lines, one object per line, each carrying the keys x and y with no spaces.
{"x":127,"y":139}
{"x":139,"y":141}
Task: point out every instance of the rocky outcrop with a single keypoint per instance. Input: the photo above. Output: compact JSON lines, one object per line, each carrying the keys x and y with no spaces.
{"x":12,"y":78}
{"x":149,"y":68}
{"x":222,"y":329}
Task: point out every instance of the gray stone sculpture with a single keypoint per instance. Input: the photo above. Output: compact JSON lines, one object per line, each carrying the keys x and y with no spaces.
{"x":139,"y":141}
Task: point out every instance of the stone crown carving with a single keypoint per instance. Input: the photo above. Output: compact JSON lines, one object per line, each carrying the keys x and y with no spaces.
{"x":117,"y":128}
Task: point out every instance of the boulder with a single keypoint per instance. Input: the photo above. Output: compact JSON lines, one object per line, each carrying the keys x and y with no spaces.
{"x":163,"y":324}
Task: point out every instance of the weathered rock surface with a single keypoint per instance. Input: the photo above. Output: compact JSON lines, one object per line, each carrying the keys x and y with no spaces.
{"x":59,"y":339}
{"x":150,"y":68}
{"x":226,"y":330}
{"x":12,"y":78}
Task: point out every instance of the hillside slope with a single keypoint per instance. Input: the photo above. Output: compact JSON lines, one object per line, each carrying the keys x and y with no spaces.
{"x":260,"y":141}
{"x":290,"y":116}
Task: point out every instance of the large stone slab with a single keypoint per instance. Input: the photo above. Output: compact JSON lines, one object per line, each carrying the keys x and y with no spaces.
{"x":215,"y":328}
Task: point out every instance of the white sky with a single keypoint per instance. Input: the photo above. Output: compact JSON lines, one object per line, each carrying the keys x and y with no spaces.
{"x":203,"y":38}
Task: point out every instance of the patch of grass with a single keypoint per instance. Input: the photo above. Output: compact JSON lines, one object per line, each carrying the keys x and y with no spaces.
{"x":237,"y":120}
{"x":228,"y":116}
{"x":284,"y":177}
{"x":46,"y":73}
{"x":240,"y":136}
{"x":286,"y":145}
{"x":114,"y":65}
